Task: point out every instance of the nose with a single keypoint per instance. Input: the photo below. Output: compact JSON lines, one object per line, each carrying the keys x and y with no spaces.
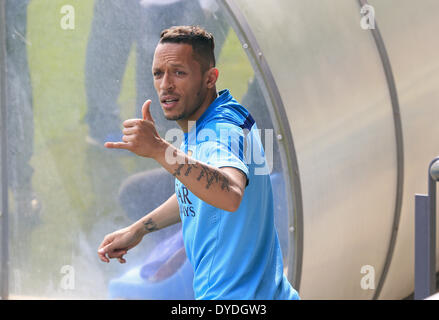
{"x":166,"y":83}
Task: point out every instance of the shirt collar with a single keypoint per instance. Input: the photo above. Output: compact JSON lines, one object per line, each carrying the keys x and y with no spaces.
{"x":223,"y":96}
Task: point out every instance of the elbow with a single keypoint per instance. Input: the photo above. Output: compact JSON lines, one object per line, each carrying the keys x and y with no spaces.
{"x":234,"y":201}
{"x":233,"y":208}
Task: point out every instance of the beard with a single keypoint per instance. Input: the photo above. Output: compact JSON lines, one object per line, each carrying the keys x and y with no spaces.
{"x":176,"y":118}
{"x":187,"y":113}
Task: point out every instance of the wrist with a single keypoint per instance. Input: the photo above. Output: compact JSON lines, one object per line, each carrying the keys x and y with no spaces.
{"x":145,"y":225}
{"x":160,"y":150}
{"x":168,"y":155}
{"x":138,"y":228}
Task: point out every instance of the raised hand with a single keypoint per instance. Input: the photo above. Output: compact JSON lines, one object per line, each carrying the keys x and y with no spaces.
{"x":140,"y":135}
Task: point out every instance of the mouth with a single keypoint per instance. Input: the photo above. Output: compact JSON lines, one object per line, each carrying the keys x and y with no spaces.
{"x":169,"y":102}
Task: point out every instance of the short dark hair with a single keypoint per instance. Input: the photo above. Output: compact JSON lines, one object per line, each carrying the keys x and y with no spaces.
{"x":202,"y":42}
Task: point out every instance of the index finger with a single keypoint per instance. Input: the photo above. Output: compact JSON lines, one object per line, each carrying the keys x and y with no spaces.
{"x":118,"y":145}
{"x":131,"y":122}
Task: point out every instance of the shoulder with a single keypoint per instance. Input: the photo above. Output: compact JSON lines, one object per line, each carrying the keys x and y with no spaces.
{"x":221,"y":131}
{"x":229,"y":116}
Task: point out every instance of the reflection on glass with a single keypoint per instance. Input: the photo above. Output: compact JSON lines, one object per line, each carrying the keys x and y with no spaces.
{"x":67,"y":190}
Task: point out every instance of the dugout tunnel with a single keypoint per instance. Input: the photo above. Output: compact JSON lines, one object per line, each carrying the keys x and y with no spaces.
{"x":349,"y":116}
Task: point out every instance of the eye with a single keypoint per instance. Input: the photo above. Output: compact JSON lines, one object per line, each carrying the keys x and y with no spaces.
{"x":157,"y":74}
{"x":180,"y":73}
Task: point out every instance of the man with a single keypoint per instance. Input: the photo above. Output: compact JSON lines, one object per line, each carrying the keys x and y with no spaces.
{"x":116,"y":27}
{"x":223,"y":200}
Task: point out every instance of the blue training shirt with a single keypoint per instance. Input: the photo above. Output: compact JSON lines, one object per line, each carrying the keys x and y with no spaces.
{"x":235,"y":255}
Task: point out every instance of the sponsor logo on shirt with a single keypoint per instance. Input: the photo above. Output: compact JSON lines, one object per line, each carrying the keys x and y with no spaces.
{"x":185,"y":204}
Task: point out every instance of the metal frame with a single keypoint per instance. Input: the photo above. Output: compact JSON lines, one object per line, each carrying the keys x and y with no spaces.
{"x":4,"y":217}
{"x":246,"y":35}
{"x":425,"y":236}
{"x":399,"y":149}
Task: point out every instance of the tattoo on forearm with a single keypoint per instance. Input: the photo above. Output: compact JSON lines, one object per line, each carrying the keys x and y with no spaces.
{"x":150,"y":225}
{"x":225,"y":184}
{"x":202,"y":172}
{"x":177,"y":171}
{"x":211,"y":176}
{"x":189,"y":169}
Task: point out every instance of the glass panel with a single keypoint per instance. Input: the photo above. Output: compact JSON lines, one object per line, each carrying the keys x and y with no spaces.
{"x":409,"y":31}
{"x":332,"y":84}
{"x":75,"y":72}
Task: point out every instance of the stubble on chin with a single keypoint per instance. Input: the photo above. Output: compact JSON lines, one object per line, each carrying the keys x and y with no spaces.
{"x":175,"y":118}
{"x":184,"y":115}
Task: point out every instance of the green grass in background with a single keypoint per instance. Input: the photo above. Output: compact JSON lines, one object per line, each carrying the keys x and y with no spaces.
{"x":235,"y":70}
{"x":78,"y":187}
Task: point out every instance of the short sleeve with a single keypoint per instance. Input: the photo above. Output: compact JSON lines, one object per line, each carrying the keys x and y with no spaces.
{"x":222,"y":145}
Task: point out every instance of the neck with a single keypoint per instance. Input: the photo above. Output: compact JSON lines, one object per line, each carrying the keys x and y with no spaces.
{"x":187,"y":123}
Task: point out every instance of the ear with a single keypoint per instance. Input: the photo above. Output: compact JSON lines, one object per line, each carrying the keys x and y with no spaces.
{"x":211,"y":77}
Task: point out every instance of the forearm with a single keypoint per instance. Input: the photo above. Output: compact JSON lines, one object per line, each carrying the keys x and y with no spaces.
{"x":220,"y":187}
{"x":212,"y":185}
{"x":165,"y":215}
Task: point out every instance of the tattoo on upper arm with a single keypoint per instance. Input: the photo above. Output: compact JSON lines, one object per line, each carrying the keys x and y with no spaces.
{"x":150,"y":225}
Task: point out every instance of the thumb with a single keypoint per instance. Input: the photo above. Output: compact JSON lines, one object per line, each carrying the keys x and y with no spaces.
{"x":146,"y":113}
